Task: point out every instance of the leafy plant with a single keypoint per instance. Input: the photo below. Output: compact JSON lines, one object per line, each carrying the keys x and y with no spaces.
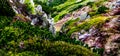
{"x":5,"y":8}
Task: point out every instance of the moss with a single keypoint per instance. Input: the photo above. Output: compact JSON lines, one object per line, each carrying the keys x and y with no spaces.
{"x":66,"y":4}
{"x":58,"y":17}
{"x":46,"y":48}
{"x":94,"y":21}
{"x":69,"y":9}
{"x":69,"y":24}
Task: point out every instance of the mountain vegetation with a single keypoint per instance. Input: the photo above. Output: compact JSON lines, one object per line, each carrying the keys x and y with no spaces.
{"x":59,"y":28}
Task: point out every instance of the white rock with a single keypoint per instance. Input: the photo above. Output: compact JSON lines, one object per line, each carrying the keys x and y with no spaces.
{"x":83,"y":16}
{"x":15,"y":9}
{"x":34,"y":21}
{"x":39,"y":8}
{"x":84,"y":36}
{"x":21,"y":1}
{"x":11,"y":1}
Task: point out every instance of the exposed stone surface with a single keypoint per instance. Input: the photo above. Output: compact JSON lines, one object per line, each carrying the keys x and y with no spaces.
{"x":107,"y":37}
{"x":81,"y":13}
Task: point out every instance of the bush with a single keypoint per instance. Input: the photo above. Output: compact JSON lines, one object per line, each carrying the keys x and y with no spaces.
{"x":96,"y":21}
{"x":70,"y":6}
{"x":30,"y":7}
{"x":36,"y":41}
{"x":5,"y":21}
{"x":37,"y":46}
{"x":5,"y":8}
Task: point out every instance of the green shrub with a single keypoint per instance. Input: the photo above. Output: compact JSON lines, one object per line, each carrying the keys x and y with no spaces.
{"x":5,"y":21}
{"x":34,"y":41}
{"x":97,"y":7}
{"x":38,"y":46}
{"x":96,"y":21}
{"x":102,"y":9}
{"x":30,"y":7}
{"x":5,"y":8}
{"x":64,"y":10}
{"x":27,"y":53}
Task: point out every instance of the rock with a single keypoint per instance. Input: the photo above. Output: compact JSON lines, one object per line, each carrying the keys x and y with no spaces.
{"x":18,"y":7}
{"x":21,"y":45}
{"x":112,"y":4}
{"x":83,"y":16}
{"x":111,"y":47}
{"x":46,"y":21}
{"x":84,"y":36}
{"x":38,"y":9}
{"x":34,"y":21}
{"x":22,"y":1}
{"x":38,"y":17}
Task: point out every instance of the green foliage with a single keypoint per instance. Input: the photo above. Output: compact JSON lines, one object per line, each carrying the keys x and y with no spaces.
{"x":22,"y":30}
{"x":40,"y":42}
{"x":97,"y":7}
{"x":94,"y":21}
{"x":34,"y":44}
{"x":102,"y":9}
{"x":37,"y":46}
{"x":27,"y":53}
{"x":98,"y":50}
{"x":5,"y":8}
{"x":59,"y":13}
{"x":45,"y":7}
{"x":49,"y":5}
{"x":5,"y":21}
{"x":2,"y":52}
{"x":60,"y":9}
{"x":69,"y":24}
{"x":30,"y":6}
{"x":41,"y":1}
{"x":55,"y":2}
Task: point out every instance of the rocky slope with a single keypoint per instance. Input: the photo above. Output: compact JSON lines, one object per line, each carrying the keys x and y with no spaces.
{"x":57,"y":27}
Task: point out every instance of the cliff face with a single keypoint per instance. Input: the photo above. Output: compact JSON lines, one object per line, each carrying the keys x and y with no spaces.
{"x":99,"y":31}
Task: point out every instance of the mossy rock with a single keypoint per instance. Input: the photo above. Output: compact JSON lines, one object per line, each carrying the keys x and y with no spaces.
{"x":95,"y":21}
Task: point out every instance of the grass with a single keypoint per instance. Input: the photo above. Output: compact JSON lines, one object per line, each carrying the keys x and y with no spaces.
{"x":37,"y":41}
{"x":94,"y":21}
{"x":69,"y":9}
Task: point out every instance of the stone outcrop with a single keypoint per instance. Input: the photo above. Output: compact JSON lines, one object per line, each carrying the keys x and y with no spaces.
{"x":26,"y":11}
